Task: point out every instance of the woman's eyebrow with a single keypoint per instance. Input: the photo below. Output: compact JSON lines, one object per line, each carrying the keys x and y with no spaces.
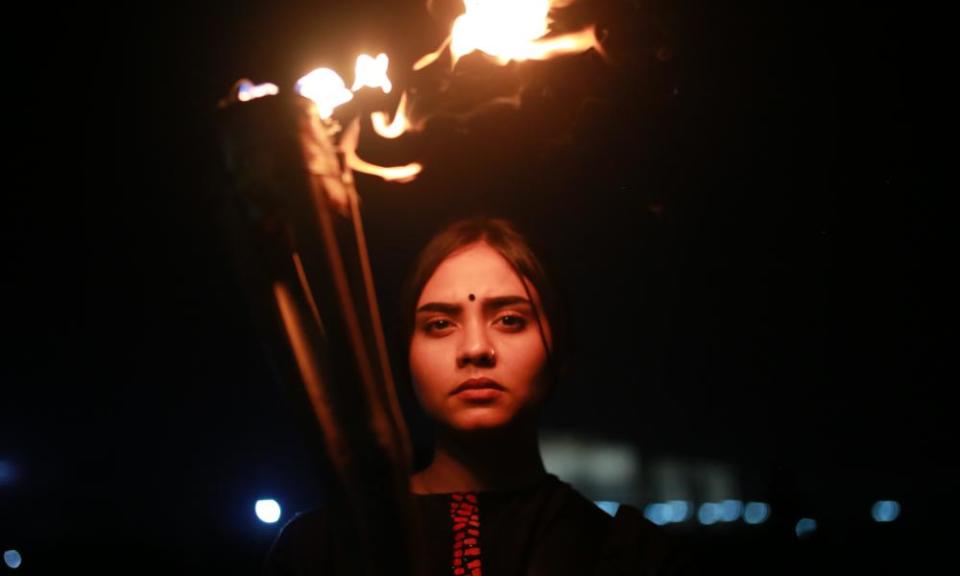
{"x":494,"y":303}
{"x":499,"y":302}
{"x":442,"y":307}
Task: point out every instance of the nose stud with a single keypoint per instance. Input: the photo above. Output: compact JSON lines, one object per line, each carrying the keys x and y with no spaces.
{"x":472,"y":297}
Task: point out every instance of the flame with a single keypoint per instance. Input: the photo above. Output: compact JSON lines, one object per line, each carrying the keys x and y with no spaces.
{"x":399,"y":125}
{"x":514,"y":30}
{"x":572,"y":43}
{"x":506,"y":30}
{"x":400,"y":174}
{"x":348,"y":145}
{"x":372,"y":73}
{"x":325,"y":88}
{"x":428,"y":59}
{"x":247,"y":90}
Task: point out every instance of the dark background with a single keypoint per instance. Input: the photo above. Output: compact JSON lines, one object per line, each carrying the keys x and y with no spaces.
{"x":740,"y":207}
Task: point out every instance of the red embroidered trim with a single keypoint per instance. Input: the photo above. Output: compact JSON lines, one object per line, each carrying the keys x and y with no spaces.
{"x":465,"y":515}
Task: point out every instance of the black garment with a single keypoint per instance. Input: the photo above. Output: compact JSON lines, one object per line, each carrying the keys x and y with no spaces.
{"x":544,"y":529}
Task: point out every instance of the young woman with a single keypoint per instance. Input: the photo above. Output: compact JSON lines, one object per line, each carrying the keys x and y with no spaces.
{"x":484,"y":336}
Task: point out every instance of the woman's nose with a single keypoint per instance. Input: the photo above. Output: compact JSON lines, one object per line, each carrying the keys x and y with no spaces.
{"x":476,"y":348}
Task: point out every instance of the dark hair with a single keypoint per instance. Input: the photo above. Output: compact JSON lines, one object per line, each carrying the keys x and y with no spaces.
{"x":503,"y":237}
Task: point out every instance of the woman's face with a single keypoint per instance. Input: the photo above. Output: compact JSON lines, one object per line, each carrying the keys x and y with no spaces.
{"x":475,"y":322}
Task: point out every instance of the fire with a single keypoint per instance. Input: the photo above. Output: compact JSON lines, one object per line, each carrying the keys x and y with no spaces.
{"x":247,"y":90}
{"x":506,"y":30}
{"x":514,"y":30}
{"x":372,"y":73}
{"x":428,"y":59}
{"x":400,"y":174}
{"x":326,"y":89}
{"x":571,"y":43}
{"x":398,"y":126}
{"x":501,"y":28}
{"x":348,"y":145}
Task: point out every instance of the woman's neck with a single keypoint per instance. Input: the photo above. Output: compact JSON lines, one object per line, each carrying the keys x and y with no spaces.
{"x":484,"y":461}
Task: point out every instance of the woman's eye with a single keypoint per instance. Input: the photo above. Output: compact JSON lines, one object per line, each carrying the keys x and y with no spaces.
{"x":512,"y":321}
{"x":435,"y":325}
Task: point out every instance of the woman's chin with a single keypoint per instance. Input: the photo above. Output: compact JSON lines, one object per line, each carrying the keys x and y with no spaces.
{"x":493,"y":421}
{"x":477,"y":420}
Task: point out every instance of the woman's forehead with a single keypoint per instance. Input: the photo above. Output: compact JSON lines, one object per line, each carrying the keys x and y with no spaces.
{"x":474,"y":269}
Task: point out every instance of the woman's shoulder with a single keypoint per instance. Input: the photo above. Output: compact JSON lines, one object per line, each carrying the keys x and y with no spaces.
{"x":304,"y":542}
{"x":573,"y":506}
{"x":286,"y":553}
{"x":308,"y":522}
{"x":635,"y":545}
{"x":625,"y":544}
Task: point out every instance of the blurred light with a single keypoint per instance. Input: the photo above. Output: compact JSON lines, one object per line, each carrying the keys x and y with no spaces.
{"x":730,"y":510}
{"x":325,"y":88}
{"x":372,"y":72}
{"x":7,"y":473}
{"x":709,"y":513}
{"x":608,"y":506}
{"x":604,"y":467}
{"x":805,"y":527}
{"x":614,"y":464}
{"x":756,"y":513}
{"x":267,"y":511}
{"x":886,"y":510}
{"x":680,"y":510}
{"x":12,"y":558}
{"x":247,"y":90}
{"x":658,"y":513}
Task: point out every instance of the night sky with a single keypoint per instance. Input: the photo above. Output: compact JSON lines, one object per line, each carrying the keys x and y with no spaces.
{"x":738,"y":205}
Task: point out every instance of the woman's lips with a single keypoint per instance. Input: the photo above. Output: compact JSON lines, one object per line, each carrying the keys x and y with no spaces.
{"x":478,"y":388}
{"x":478,"y":393}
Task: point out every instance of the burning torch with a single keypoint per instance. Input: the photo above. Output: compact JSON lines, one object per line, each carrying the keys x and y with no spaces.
{"x":302,"y":253}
